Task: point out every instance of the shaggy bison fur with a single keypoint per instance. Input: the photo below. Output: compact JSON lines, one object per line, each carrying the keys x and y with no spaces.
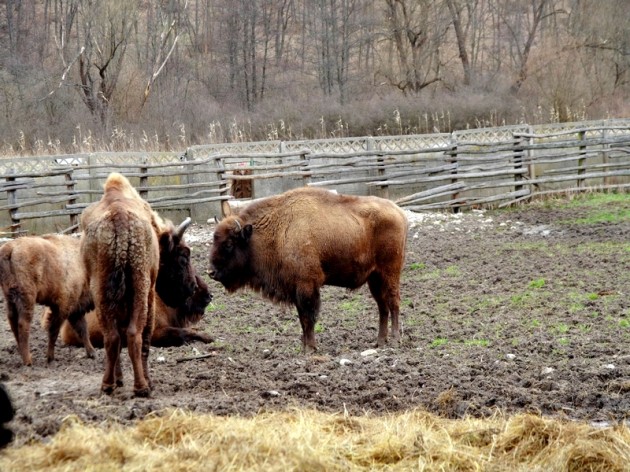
{"x":45,"y":270}
{"x":288,"y":246}
{"x":124,"y":246}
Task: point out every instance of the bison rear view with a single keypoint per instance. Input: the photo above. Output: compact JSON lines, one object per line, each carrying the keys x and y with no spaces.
{"x":290,"y":245}
{"x":129,"y":253}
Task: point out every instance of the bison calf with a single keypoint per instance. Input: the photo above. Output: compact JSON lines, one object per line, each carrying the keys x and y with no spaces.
{"x":288,"y":246}
{"x":45,"y":270}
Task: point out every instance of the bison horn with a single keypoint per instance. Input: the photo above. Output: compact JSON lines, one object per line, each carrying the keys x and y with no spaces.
{"x":181,"y":228}
{"x":238,"y":225}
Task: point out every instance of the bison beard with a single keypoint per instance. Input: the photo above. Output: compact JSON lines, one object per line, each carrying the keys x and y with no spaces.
{"x":290,"y":245}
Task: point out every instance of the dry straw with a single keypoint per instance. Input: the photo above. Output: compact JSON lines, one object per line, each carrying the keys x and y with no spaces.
{"x":313,"y":441}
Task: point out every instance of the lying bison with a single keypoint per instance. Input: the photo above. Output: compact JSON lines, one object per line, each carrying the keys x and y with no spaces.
{"x":288,"y":246}
{"x":129,"y":252}
{"x":173,"y":326}
{"x":45,"y":270}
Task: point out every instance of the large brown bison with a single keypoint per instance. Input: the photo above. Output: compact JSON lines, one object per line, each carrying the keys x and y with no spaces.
{"x":173,"y":326}
{"x":129,"y":252}
{"x":288,"y":246}
{"x":45,"y":270}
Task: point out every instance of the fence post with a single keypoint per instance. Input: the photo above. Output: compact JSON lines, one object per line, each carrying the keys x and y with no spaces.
{"x":74,"y":218}
{"x":581,"y":160}
{"x":12,"y":201}
{"x":453,"y":160}
{"x":605,"y":148}
{"x":383,"y":190}
{"x":144,"y":179}
{"x":93,"y":182}
{"x":306,"y":177}
{"x":518,"y":162}
{"x":223,"y":186}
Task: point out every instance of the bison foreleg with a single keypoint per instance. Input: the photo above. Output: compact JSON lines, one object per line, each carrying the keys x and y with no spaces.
{"x":54,"y":324}
{"x":307,"y":304}
{"x":78,"y":323}
{"x":169,"y":336}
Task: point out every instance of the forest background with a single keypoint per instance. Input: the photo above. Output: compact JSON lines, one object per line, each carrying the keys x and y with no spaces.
{"x":88,"y":75}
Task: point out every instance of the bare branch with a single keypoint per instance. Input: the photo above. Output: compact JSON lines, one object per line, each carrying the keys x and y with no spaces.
{"x":63,"y":76}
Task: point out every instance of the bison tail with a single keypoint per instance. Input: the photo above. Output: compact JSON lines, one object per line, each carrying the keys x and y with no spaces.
{"x":116,"y":288}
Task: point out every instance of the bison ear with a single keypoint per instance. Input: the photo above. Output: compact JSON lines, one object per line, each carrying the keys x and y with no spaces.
{"x":226,"y":209}
{"x":166,"y":242}
{"x":246,"y":233}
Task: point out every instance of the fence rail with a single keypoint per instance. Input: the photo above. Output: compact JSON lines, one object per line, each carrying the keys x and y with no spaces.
{"x":471,"y":168}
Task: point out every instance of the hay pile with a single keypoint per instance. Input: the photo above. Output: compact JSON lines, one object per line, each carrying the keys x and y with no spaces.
{"x":308,"y":440}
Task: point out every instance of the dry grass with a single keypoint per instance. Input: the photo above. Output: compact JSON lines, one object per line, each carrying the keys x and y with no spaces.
{"x":308,"y":440}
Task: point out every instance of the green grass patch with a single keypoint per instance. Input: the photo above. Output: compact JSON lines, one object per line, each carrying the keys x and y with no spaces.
{"x":453,"y":271}
{"x":437,"y":342}
{"x":417,"y":266}
{"x":213,"y":307}
{"x":560,"y":328}
{"x":537,"y":283}
{"x":353,"y":306}
{"x":477,"y":342}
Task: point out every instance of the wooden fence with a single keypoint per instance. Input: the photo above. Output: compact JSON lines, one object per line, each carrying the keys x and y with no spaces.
{"x":472,"y":168}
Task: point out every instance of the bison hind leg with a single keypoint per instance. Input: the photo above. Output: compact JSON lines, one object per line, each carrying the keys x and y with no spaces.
{"x":387,"y":296}
{"x":113,"y":375}
{"x":20,"y":314}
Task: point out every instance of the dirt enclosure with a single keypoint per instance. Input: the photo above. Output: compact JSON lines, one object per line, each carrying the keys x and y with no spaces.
{"x":522,"y":310}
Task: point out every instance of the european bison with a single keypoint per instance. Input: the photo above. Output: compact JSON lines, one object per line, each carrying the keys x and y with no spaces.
{"x":172,"y":325}
{"x":288,"y":246}
{"x":129,"y":252}
{"x":44,"y":270}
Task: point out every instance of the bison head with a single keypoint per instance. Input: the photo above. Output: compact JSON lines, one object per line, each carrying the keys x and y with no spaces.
{"x":230,"y":253}
{"x":176,"y":280}
{"x":195,"y":307}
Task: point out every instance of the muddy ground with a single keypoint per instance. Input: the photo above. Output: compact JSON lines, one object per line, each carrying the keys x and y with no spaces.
{"x":523,"y":310}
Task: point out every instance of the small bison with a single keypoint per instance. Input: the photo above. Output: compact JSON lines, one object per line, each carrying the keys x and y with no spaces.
{"x":172,"y":325}
{"x":288,"y":246}
{"x":129,"y":252}
{"x":45,"y":270}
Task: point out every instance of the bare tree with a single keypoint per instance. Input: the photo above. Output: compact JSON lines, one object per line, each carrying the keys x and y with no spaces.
{"x":523,"y":25}
{"x":415,"y":32}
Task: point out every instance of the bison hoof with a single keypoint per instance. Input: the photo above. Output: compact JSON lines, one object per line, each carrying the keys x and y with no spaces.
{"x":142,"y":392}
{"x":119,"y":382}
{"x":108,"y":389}
{"x":204,"y":338}
{"x":91,"y":354}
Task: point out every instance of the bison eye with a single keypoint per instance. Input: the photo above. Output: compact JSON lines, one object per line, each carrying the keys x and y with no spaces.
{"x":228,"y":246}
